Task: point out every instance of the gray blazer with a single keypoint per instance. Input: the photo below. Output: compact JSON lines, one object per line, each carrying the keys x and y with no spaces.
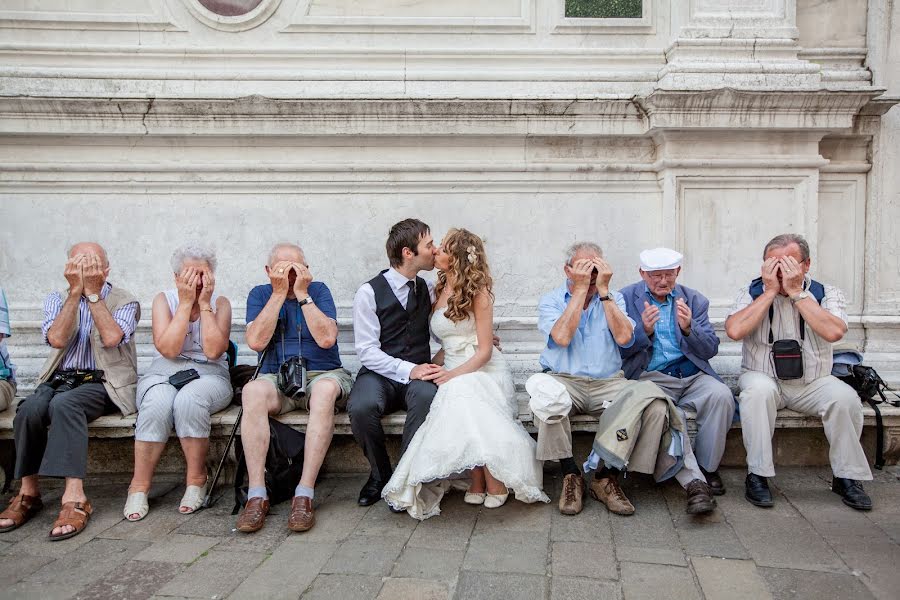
{"x":699,"y":347}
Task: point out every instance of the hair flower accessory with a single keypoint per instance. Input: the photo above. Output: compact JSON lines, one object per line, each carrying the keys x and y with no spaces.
{"x":473,"y":258}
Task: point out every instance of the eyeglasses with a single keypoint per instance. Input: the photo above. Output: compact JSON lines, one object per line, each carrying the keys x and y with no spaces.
{"x":660,"y":275}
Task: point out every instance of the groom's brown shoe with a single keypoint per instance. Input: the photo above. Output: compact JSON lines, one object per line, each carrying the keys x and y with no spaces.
{"x":571,"y":499}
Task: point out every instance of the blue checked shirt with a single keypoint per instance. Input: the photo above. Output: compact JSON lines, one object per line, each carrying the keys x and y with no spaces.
{"x":79,"y":354}
{"x":665,"y":339}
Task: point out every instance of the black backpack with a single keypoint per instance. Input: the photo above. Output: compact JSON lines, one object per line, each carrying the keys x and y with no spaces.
{"x":284,"y":465}
{"x":868,"y":384}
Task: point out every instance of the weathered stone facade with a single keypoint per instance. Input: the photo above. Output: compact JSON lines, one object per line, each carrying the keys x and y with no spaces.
{"x":705,"y":125}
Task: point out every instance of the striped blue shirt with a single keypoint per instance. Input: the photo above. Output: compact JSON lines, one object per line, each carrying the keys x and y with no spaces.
{"x":79,"y":354}
{"x":7,"y":368}
{"x":665,"y":340}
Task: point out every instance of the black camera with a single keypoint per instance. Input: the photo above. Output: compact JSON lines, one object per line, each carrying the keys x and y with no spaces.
{"x":292,"y":377}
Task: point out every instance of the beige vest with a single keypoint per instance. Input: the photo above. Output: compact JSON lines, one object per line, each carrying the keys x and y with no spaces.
{"x":119,"y":364}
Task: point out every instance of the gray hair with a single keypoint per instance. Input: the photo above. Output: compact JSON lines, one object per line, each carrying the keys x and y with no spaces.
{"x":786,"y":239}
{"x":281,"y":245}
{"x":193,"y":251}
{"x":577,"y":247}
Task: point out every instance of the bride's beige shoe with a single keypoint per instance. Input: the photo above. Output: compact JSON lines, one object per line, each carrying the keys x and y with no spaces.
{"x":495,"y":500}
{"x":474,"y":498}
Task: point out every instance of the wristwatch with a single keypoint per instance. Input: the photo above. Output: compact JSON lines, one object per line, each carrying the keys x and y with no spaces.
{"x":605,"y":298}
{"x":802,"y":295}
{"x":93,"y":298}
{"x":305,"y":301}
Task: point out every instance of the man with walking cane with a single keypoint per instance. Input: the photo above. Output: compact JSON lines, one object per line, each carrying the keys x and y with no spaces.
{"x":293,"y":316}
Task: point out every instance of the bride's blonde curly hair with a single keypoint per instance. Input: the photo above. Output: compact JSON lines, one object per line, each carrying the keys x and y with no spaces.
{"x":471,"y":275}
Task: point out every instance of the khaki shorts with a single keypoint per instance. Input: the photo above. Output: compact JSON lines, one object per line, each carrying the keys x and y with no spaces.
{"x":7,"y":393}
{"x":342,"y":376}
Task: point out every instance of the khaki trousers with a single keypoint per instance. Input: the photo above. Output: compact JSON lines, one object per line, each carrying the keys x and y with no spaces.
{"x":829,"y":398}
{"x":588,"y":395}
{"x":7,"y":394}
{"x":713,"y":402}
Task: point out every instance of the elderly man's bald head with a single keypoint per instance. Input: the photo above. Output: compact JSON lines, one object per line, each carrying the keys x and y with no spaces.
{"x":89,"y":248}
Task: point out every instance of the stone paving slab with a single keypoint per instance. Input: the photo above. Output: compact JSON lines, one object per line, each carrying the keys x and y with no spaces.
{"x":809,"y":546}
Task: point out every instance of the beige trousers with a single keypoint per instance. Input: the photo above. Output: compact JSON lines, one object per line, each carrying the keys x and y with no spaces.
{"x":829,"y":398}
{"x":7,"y":394}
{"x":588,"y":395}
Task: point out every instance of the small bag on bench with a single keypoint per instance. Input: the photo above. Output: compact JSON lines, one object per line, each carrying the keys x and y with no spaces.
{"x":868,"y":384}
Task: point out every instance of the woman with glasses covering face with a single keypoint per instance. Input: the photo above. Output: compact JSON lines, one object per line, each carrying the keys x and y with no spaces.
{"x":191,"y":324}
{"x":472,"y":430}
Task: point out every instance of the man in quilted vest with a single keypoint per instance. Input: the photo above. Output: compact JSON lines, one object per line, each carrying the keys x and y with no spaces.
{"x":784,"y":306}
{"x":91,"y":371}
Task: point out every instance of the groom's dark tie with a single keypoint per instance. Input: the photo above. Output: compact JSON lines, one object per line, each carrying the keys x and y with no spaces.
{"x":412,"y":302}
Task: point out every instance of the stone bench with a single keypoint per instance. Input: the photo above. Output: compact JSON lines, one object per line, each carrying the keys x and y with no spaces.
{"x":800,"y":439}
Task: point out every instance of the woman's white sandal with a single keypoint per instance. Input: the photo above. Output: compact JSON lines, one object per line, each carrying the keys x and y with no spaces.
{"x":192,"y":499}
{"x":136,"y":504}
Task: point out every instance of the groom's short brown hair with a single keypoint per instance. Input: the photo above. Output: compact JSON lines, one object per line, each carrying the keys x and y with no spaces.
{"x":405,"y":234}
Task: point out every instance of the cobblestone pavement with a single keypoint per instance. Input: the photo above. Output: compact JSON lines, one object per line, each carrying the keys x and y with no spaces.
{"x":808,"y":546}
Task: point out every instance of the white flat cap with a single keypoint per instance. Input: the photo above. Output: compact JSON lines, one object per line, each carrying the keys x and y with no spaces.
{"x":660,"y":259}
{"x":550,"y":401}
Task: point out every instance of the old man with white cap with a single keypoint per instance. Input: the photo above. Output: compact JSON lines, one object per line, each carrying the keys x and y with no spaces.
{"x":585,"y":325}
{"x":672,"y":348}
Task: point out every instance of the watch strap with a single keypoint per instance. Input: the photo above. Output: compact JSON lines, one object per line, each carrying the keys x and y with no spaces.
{"x":305,"y":301}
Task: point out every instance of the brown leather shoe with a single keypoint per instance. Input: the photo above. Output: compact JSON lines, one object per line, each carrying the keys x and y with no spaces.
{"x":571,"y":497}
{"x":716,"y":485}
{"x":253,"y":517}
{"x":699,"y":498}
{"x":303,"y":517}
{"x":608,"y":492}
{"x":21,"y":508}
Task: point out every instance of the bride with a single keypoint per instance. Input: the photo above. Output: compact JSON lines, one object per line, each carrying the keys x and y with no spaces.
{"x":472,"y":425}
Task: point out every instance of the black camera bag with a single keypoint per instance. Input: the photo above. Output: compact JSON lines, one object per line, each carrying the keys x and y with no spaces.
{"x":868,"y":384}
{"x":284,"y":465}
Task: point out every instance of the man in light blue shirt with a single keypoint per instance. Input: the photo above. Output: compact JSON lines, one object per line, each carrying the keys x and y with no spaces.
{"x":586,"y":323}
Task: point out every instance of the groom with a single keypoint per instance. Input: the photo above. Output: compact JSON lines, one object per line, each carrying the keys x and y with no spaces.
{"x":390,"y":325}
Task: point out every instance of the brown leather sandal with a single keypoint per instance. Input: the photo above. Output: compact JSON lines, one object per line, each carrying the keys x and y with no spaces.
{"x":76,"y":514}
{"x":20,"y":510}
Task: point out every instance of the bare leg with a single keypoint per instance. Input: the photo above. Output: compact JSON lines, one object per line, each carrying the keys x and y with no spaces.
{"x":29,"y":488}
{"x":146,"y":457}
{"x":319,"y":430}
{"x":260,"y":399}
{"x":74,"y":493}
{"x":494,"y":486}
{"x":478,"y":484}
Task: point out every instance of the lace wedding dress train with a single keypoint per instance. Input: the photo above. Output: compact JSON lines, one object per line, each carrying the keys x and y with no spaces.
{"x":472,"y":422}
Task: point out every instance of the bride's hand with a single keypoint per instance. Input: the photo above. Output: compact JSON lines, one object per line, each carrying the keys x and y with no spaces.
{"x":439,"y":377}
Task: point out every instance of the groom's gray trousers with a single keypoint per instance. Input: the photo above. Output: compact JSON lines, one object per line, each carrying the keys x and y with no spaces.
{"x":374,"y":396}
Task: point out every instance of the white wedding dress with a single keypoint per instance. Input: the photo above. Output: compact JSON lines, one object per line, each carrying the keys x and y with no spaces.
{"x":472,"y":422}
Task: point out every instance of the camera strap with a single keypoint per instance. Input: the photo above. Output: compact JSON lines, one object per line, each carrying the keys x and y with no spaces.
{"x":772,"y":336}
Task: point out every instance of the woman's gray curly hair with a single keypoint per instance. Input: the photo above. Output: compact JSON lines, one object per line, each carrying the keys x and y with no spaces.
{"x":193,"y":251}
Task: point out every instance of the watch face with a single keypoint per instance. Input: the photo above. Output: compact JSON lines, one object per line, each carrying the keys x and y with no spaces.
{"x":93,"y":298}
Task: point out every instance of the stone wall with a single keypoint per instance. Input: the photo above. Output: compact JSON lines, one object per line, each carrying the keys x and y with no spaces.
{"x":706,"y":125}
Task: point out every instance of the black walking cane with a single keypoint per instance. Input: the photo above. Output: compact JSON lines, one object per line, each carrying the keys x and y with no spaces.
{"x":208,"y":502}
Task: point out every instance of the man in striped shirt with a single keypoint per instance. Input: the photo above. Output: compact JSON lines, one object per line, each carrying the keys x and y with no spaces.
{"x":786,"y":304}
{"x":91,"y":370}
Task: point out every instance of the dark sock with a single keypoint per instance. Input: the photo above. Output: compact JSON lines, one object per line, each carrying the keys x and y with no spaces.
{"x":569,"y":467}
{"x":606,"y":472}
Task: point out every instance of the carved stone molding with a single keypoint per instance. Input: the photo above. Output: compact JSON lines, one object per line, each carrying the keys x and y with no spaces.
{"x":254,"y":18}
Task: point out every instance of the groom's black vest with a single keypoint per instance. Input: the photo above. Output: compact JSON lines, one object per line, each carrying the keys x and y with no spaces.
{"x":404,"y":335}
